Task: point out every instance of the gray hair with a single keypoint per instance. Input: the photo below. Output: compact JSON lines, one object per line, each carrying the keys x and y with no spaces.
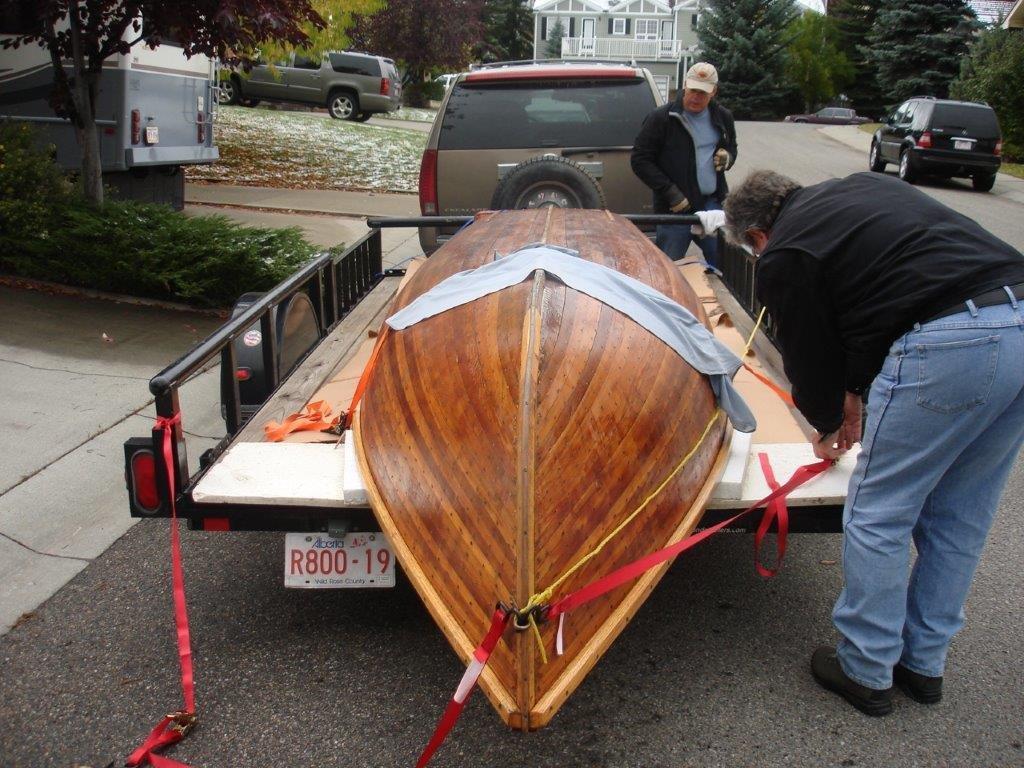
{"x":755,"y":204}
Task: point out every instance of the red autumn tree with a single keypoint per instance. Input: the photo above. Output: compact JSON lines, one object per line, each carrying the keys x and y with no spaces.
{"x":422,"y":35}
{"x":87,"y":32}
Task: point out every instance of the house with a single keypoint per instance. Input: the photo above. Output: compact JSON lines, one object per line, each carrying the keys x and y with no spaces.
{"x":660,"y":35}
{"x":1016,"y":17}
{"x":991,"y":11}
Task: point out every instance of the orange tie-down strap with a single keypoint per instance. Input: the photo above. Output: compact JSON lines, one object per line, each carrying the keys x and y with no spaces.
{"x":315,"y":416}
{"x":786,"y":397}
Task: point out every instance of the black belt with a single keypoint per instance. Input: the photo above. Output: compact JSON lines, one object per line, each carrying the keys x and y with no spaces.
{"x":987,"y":299}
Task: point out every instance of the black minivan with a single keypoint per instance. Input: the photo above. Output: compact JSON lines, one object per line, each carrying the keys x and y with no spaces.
{"x":939,"y":137}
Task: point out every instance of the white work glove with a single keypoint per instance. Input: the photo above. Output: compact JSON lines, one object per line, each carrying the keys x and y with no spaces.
{"x":710,"y":222}
{"x":721,"y":160}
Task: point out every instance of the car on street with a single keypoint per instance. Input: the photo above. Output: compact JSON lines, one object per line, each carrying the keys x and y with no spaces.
{"x":926,"y":136}
{"x":535,"y":135}
{"x":830,"y":116}
{"x":352,"y":86}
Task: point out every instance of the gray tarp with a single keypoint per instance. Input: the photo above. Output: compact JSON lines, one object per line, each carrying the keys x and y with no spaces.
{"x":666,"y":319}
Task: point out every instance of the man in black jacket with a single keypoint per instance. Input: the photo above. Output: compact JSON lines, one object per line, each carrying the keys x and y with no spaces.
{"x":875,"y":287}
{"x":682,"y":153}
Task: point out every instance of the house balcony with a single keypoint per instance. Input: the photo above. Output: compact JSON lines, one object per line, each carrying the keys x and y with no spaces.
{"x":626,"y":49}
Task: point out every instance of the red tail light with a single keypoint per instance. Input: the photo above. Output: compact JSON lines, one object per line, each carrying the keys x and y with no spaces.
{"x":144,"y":481}
{"x":999,"y":147}
{"x":925,"y":140}
{"x":201,"y":128}
{"x":136,"y":126}
{"x":385,"y":87}
{"x":243,"y":374}
{"x":428,"y":183}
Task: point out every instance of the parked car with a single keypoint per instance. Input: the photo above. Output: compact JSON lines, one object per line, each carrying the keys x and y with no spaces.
{"x":940,"y":137}
{"x":830,"y":116}
{"x":353,"y":86}
{"x":535,"y":135}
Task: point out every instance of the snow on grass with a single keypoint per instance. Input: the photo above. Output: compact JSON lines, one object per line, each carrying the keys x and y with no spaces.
{"x":298,"y":150}
{"x":410,"y":114}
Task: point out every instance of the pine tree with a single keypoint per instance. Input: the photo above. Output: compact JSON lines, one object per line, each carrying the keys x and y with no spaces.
{"x":916,"y":46}
{"x":554,"y":46}
{"x":508,"y":31}
{"x":854,"y":20}
{"x":746,"y":40}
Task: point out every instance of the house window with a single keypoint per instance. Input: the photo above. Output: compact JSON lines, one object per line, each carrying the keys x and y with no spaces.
{"x":693,"y":21}
{"x":618,"y":26}
{"x":646,"y":29}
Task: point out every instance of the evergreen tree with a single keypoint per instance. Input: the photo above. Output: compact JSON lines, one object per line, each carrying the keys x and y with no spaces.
{"x":854,"y":20}
{"x":916,"y":46}
{"x":554,"y":46}
{"x":746,"y":40}
{"x":508,"y":31}
{"x":814,"y":64}
{"x":994,"y":72}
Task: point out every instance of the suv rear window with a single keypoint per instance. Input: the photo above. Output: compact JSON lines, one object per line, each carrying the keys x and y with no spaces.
{"x":978,"y":121}
{"x":560,"y":113}
{"x":354,"y":65}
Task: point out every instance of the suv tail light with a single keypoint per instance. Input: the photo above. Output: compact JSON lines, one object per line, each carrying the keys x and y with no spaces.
{"x":925,"y":140}
{"x":385,"y":87}
{"x":999,"y":147}
{"x":136,"y":126}
{"x":428,"y":183}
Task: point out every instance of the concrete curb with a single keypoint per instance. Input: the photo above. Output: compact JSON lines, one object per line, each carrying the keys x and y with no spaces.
{"x":43,"y":286}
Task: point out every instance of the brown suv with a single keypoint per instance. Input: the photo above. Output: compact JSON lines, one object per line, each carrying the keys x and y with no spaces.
{"x":536,"y":135}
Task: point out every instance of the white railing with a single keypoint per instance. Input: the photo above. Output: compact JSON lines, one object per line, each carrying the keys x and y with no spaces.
{"x":625,"y":49}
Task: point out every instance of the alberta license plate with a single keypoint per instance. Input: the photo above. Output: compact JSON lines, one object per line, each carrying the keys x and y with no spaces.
{"x":152,"y":134}
{"x":961,"y":144}
{"x":319,"y":561}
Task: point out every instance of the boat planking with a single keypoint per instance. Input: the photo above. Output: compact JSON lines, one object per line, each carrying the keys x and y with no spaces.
{"x":502,"y":440}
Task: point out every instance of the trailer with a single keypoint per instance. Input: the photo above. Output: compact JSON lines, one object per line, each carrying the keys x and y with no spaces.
{"x":155,"y":113}
{"x":308,"y":340}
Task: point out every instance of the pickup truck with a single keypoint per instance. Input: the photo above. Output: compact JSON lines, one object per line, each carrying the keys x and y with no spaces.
{"x":311,"y":333}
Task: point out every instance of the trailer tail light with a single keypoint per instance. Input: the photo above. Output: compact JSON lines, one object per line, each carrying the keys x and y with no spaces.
{"x":428,"y":183}
{"x":385,"y":87}
{"x":136,"y":126}
{"x":926,"y":140}
{"x":140,"y":477}
{"x":243,"y":374}
{"x":201,"y":128}
{"x":999,"y":147}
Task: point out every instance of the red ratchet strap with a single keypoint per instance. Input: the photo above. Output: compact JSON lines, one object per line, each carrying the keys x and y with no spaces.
{"x":173,"y":727}
{"x":451,"y":714}
{"x":632,"y":570}
{"x":314,"y":417}
{"x":776,"y":510}
{"x":786,"y":397}
{"x":365,"y":378}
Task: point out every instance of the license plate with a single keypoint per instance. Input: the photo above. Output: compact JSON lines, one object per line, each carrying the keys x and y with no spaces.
{"x":319,"y":561}
{"x":961,"y":144}
{"x":152,"y":134}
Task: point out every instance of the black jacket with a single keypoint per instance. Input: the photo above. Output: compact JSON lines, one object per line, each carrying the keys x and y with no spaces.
{"x":665,"y":159}
{"x":851,"y":265}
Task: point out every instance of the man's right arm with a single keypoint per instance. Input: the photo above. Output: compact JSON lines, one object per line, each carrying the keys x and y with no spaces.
{"x":644,"y":160}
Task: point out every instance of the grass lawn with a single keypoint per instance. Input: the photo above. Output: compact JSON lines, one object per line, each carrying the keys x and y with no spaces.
{"x":300,"y":150}
{"x":411,"y":114}
{"x":1013,"y":169}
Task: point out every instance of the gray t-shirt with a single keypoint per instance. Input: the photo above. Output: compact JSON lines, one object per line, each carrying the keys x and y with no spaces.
{"x":705,"y":136}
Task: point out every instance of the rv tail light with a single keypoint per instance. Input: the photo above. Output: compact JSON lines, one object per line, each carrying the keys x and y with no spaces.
{"x":143,"y":481}
{"x":136,"y":126}
{"x":428,"y":183}
{"x":243,"y":374}
{"x":385,"y":87}
{"x":925,"y":140}
{"x":999,"y":147}
{"x":201,"y":128}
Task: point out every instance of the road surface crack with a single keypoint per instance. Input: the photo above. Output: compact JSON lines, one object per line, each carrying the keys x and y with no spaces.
{"x":44,"y":554}
{"x":75,"y":373}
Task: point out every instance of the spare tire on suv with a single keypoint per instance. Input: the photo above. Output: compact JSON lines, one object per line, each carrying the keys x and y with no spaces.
{"x":545,"y":182}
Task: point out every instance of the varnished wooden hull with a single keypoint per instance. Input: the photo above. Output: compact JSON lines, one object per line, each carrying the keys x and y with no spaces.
{"x":502,"y":440}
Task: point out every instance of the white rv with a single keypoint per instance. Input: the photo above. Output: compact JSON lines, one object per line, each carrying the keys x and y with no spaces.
{"x":155,"y":113}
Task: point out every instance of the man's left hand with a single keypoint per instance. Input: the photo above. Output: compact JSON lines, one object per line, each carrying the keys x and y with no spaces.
{"x":830,"y":446}
{"x":722,"y":159}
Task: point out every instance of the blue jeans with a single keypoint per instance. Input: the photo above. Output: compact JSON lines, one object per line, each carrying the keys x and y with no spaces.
{"x":674,"y":239}
{"x":945,"y":420}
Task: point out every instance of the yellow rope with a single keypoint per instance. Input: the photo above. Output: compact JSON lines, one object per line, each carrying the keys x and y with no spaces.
{"x":750,"y":340}
{"x":540,"y":643}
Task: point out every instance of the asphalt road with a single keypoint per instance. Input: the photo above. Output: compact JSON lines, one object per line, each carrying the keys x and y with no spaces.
{"x":711,"y":672}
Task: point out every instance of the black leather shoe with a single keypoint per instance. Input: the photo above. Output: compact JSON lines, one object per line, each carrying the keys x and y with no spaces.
{"x":921,"y":688}
{"x":826,"y":670}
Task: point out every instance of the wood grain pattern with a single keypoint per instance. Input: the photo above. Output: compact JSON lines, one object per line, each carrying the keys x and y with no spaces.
{"x":502,"y":440}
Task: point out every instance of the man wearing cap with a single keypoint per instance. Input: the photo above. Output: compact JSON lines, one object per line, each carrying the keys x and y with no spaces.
{"x":682,"y":153}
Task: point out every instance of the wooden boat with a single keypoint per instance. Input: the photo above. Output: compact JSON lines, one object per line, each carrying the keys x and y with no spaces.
{"x":501,"y":440}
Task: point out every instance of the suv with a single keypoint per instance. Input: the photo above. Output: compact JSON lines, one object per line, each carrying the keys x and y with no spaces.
{"x":939,"y":137}
{"x":536,"y":135}
{"x":353,"y":86}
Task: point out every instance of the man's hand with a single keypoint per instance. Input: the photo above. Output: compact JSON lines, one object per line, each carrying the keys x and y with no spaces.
{"x":852,"y":417}
{"x":722,"y":159}
{"x":830,"y":446}
{"x":681,"y":206}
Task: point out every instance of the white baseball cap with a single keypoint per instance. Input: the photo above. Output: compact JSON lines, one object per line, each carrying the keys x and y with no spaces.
{"x":702,"y":76}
